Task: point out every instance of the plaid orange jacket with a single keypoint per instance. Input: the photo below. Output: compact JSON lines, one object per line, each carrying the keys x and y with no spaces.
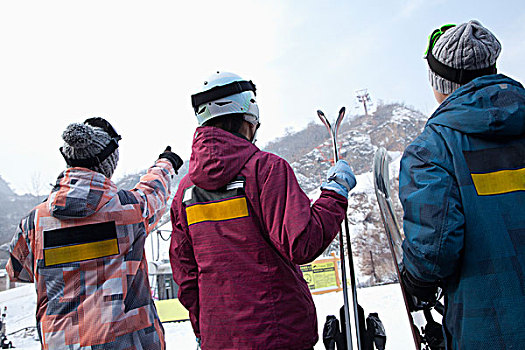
{"x":84,"y":250}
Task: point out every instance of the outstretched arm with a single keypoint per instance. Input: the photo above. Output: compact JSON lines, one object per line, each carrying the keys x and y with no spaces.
{"x":153,"y":192}
{"x":299,"y":231}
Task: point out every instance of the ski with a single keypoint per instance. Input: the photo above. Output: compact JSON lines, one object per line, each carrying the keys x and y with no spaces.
{"x":332,"y":130}
{"x":419,"y":320}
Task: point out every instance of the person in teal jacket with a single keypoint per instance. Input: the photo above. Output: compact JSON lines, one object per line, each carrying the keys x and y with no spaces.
{"x":462,"y":187}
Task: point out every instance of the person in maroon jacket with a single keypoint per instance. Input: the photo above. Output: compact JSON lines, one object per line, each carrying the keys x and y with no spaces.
{"x":241,"y":227}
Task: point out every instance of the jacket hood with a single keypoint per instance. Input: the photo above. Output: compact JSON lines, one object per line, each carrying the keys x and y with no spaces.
{"x":79,"y":193}
{"x":217,"y":157}
{"x":490,"y":105}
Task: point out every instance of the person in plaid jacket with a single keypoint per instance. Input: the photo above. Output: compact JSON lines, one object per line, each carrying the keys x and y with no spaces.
{"x":84,"y":247}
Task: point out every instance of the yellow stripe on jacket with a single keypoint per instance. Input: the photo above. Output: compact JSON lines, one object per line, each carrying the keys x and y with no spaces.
{"x":217,"y":211}
{"x":80,"y":252}
{"x":498,"y":182}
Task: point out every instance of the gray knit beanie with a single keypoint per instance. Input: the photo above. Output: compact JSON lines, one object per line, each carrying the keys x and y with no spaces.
{"x":83,"y":141}
{"x":466,"y":46}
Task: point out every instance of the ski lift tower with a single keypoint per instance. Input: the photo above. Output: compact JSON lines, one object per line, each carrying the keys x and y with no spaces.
{"x":363,"y":97}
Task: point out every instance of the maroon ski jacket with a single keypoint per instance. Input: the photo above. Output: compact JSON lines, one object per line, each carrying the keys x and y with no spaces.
{"x":241,"y":226}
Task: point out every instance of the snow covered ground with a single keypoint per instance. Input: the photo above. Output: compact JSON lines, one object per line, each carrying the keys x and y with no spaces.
{"x":385,"y":300}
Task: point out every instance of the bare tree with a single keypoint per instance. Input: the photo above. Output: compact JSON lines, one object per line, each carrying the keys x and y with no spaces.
{"x":37,"y":183}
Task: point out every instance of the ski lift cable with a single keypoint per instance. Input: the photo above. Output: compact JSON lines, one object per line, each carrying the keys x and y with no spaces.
{"x":158,"y":247}
{"x":159,"y":233}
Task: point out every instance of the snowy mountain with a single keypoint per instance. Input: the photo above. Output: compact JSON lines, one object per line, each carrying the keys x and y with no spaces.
{"x":392,"y":126}
{"x":5,"y":190}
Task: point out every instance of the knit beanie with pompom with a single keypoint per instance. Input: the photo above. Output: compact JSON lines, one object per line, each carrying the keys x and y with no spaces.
{"x":83,"y":141}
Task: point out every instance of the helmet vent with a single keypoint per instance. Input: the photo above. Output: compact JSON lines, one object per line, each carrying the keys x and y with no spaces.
{"x":201,"y":110}
{"x":252,"y":100}
{"x":223,"y":103}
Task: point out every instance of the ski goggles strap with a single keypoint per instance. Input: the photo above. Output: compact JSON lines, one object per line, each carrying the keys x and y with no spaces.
{"x":102,"y":155}
{"x":104,"y":125}
{"x":456,"y":75}
{"x":432,"y":38}
{"x":222,"y":91}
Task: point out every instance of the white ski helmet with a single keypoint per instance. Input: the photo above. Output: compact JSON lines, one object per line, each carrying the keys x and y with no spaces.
{"x":225,"y":93}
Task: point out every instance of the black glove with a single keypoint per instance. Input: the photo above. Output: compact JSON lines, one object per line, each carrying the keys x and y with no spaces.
{"x":172,"y":157}
{"x":421,"y":295}
{"x":433,"y":333}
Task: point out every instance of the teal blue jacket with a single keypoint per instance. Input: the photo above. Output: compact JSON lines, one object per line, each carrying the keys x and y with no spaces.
{"x":462,"y":187}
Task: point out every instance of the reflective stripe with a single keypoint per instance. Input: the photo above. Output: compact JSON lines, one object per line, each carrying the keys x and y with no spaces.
{"x":188,"y":194}
{"x":499,"y":182}
{"x":235,"y":184}
{"x":217,"y":211}
{"x":80,"y":252}
{"x":196,"y":195}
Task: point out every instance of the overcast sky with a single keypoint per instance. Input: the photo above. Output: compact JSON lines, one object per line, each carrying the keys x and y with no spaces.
{"x":137,"y":63}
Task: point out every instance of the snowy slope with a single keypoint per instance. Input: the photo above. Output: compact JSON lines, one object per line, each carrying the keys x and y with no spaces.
{"x":21,"y":306}
{"x":386,"y":300}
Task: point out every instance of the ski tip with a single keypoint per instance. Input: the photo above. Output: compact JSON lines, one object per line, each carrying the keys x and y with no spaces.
{"x":340,"y":117}
{"x":320,"y":113}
